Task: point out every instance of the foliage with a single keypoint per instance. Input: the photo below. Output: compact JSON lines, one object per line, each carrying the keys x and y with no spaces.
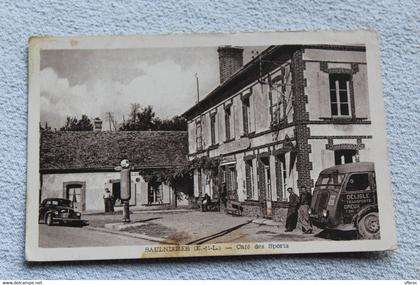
{"x":145,"y":119}
{"x":45,"y":128}
{"x":178,"y":176}
{"x":73,"y":124}
{"x":209,"y":165}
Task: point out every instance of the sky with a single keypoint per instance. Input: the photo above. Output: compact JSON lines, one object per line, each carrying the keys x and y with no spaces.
{"x":95,"y":82}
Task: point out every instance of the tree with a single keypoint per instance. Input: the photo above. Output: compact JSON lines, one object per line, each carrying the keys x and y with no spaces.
{"x":45,"y":128}
{"x":177,"y":123}
{"x":145,"y":119}
{"x":73,"y":124}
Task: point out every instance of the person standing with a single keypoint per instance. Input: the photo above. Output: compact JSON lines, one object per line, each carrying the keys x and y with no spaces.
{"x":292,"y":210}
{"x":107,"y":200}
{"x":303,"y":215}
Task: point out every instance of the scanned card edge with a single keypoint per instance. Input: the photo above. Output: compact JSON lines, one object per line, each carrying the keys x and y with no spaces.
{"x":392,"y":245}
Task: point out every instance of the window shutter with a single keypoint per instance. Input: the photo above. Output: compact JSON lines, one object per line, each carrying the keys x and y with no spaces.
{"x":278,"y":180}
{"x":248,"y":180}
{"x":261,"y":182}
{"x":227,"y":124}
{"x":245,"y":117}
{"x":324,"y":95}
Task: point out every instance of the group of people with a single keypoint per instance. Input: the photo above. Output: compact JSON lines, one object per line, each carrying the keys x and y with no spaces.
{"x":297,"y":211}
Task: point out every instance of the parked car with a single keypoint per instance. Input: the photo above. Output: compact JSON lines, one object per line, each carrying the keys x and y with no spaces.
{"x":58,"y":210}
{"x":345,"y":198}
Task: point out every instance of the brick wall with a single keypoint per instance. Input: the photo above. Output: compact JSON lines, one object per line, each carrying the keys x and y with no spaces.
{"x":300,"y":116}
{"x":230,"y":61}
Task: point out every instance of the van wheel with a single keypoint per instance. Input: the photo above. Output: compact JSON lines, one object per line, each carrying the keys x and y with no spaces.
{"x":49,"y":220}
{"x":368,"y":226}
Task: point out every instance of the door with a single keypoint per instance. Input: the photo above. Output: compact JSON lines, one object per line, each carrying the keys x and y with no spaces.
{"x":74,"y":194}
{"x":265,"y":163}
{"x":269,"y":197}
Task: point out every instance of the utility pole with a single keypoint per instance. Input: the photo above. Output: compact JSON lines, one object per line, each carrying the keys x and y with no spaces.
{"x":198,"y":87}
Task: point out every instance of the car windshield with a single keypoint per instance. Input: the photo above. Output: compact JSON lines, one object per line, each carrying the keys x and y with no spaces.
{"x":333,"y":179}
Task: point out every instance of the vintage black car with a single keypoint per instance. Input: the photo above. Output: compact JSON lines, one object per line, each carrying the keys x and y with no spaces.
{"x":345,"y":198}
{"x":58,"y":210}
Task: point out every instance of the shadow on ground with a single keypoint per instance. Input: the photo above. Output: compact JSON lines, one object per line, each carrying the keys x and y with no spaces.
{"x":337,"y":235}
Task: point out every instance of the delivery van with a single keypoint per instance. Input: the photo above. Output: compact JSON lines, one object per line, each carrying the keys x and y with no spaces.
{"x":345,"y":198}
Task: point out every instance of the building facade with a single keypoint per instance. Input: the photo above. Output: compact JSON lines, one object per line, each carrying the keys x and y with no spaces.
{"x":80,"y":165}
{"x":277,"y":121}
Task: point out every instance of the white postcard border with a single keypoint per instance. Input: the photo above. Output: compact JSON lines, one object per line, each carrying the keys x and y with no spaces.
{"x":380,"y":153}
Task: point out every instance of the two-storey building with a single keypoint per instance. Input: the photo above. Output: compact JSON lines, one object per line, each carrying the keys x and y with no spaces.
{"x":278,"y":120}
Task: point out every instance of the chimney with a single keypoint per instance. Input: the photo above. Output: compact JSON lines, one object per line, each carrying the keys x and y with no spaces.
{"x":230,"y":60}
{"x":97,"y":125}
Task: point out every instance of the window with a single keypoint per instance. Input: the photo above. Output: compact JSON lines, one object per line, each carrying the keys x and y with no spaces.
{"x":199,"y":136}
{"x":281,"y":95}
{"x":281,"y":174}
{"x":340,"y":94}
{"x":358,"y":182}
{"x":249,"y":176}
{"x":343,"y":156}
{"x":154,"y":193}
{"x":227,"y":122}
{"x":213,"y":128}
{"x":246,"y":113}
{"x":277,"y":99}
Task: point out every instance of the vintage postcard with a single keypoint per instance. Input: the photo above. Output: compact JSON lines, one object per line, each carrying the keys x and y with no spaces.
{"x":206,"y":145}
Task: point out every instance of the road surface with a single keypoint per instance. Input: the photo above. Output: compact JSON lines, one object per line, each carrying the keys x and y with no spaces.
{"x":67,"y":236}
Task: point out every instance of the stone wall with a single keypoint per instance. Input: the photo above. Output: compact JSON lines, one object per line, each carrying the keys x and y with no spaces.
{"x":252,"y":209}
{"x":279,"y":212}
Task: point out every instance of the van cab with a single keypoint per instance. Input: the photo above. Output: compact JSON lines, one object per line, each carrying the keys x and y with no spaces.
{"x":345,"y":198}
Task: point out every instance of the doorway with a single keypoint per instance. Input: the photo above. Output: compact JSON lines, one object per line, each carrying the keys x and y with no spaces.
{"x":265,"y":164}
{"x":75,"y":192}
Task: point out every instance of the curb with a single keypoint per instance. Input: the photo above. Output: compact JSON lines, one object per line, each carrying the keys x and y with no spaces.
{"x":139,"y":212}
{"x":266,"y":222}
{"x":126,"y":234}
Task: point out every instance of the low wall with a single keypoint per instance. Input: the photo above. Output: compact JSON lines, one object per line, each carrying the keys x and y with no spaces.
{"x":252,"y":209}
{"x":279,"y":212}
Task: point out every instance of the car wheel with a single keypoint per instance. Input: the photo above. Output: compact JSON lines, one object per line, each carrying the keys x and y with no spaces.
{"x":368,"y":226}
{"x":49,"y":220}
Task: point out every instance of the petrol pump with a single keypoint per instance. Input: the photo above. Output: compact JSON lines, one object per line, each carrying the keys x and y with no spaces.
{"x":125,"y":179}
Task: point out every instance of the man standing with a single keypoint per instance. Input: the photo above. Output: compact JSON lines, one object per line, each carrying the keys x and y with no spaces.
{"x":107,"y":200}
{"x":303,"y":215}
{"x":292,"y":210}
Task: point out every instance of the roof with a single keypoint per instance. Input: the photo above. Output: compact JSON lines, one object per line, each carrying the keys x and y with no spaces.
{"x":67,"y":151}
{"x":214,"y":97}
{"x":250,"y":73}
{"x":350,"y":167}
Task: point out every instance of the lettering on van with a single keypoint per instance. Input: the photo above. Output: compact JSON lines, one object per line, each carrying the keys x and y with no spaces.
{"x":353,"y":202}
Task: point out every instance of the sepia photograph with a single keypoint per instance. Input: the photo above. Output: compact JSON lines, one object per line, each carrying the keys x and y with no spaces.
{"x":206,"y":145}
